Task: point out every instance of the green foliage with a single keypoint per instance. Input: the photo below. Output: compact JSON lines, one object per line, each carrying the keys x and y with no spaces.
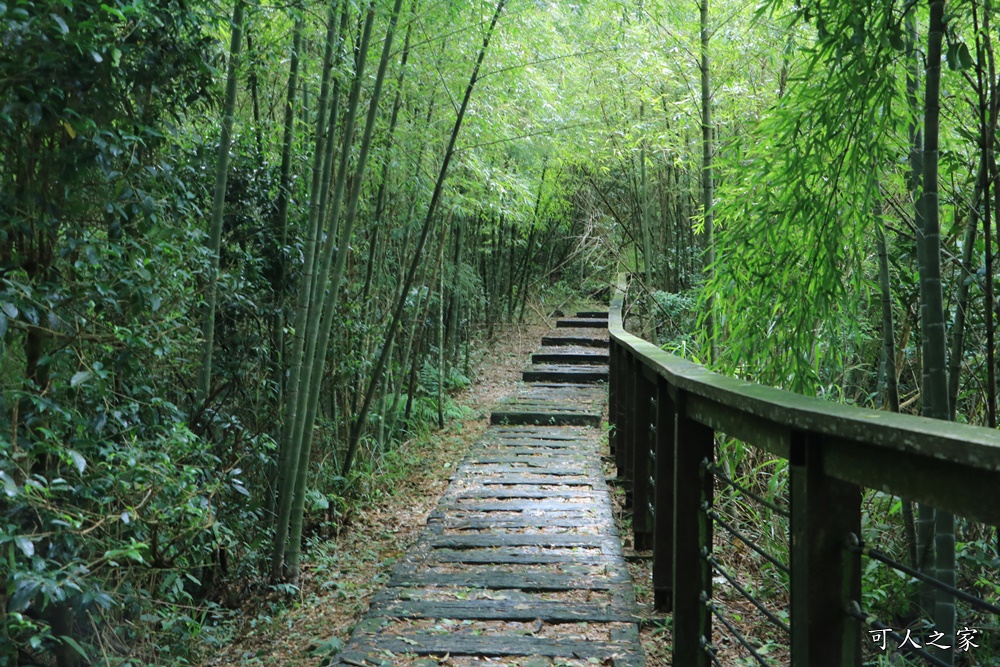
{"x":675,"y":318}
{"x":794,"y":211}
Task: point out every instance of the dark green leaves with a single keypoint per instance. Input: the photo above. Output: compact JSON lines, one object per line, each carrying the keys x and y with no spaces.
{"x":958,"y":57}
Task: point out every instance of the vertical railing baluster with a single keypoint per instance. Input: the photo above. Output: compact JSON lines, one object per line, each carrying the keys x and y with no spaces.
{"x":663,"y":498}
{"x":692,"y":619}
{"x":825,"y":576}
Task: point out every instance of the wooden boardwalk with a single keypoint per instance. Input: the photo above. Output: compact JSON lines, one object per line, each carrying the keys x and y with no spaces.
{"x":520,"y":564}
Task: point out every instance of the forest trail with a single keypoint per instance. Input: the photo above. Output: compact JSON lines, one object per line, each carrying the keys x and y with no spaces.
{"x":521,"y":563}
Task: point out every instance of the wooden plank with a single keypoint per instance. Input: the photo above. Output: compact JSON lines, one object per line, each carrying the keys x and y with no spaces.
{"x":485,"y":523}
{"x":567,"y":373}
{"x":593,"y":314}
{"x":513,"y":493}
{"x":570,"y":418}
{"x":570,"y":355}
{"x":528,"y":460}
{"x":624,"y":653}
{"x":526,"y":506}
{"x":541,"y":581}
{"x":503,"y":610}
{"x":511,"y":557}
{"x":539,"y":540}
{"x":582,"y":323}
{"x":543,"y":432}
{"x":525,"y":450}
{"x":581,"y":480}
{"x":577,"y":337}
{"x":577,"y":444}
{"x":500,"y":468}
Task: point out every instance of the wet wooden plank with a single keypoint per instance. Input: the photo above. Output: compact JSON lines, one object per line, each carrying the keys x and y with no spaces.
{"x":568,"y":417}
{"x":565,"y":373}
{"x":533,"y":460}
{"x":503,"y":610}
{"x":570,"y":354}
{"x":623,"y":653}
{"x":540,"y":540}
{"x":511,"y":468}
{"x":553,"y":404}
{"x":585,"y":337}
{"x":524,"y":506}
{"x":526,"y":522}
{"x":556,"y":433}
{"x":566,"y":480}
{"x":539,"y":581}
{"x":529,"y":516}
{"x":537,"y":444}
{"x":509,"y":556}
{"x":515,"y":494}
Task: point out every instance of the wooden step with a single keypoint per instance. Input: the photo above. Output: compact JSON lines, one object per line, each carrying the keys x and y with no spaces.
{"x":565,"y":373}
{"x":576,"y":337}
{"x":593,"y":314}
{"x":545,"y":417}
{"x":570,"y":354}
{"x":624,"y":652}
{"x":554,"y":404}
{"x":523,"y":540}
{"x":582,"y":323}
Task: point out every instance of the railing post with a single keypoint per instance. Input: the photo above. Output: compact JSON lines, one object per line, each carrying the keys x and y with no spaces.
{"x":641,"y":518}
{"x":625,"y":469}
{"x":694,"y":445}
{"x":825,"y":575}
{"x":614,"y":419}
{"x":663,"y":498}
{"x":622,"y":397}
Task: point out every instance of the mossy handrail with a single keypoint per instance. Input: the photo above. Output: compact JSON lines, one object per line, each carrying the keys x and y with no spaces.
{"x":665,"y":412}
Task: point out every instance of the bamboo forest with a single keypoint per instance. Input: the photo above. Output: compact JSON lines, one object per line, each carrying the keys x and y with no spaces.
{"x":273,"y":280}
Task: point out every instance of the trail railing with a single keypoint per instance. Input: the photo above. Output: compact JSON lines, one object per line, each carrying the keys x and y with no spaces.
{"x":666,"y":412}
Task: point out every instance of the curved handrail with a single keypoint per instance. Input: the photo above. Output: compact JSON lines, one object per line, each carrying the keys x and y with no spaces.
{"x":768,"y":415}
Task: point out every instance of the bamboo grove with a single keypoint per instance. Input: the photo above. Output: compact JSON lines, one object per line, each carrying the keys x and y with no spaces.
{"x":247,"y":249}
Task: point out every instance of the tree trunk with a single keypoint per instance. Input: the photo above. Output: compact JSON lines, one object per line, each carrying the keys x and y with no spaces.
{"x":288,"y":453}
{"x":936,"y":386}
{"x":281,"y":219}
{"x":647,"y":234}
{"x":313,"y":383}
{"x":219,"y":204}
{"x":962,"y":300}
{"x":431,"y":209}
{"x":440,"y":328}
{"x":708,"y":183}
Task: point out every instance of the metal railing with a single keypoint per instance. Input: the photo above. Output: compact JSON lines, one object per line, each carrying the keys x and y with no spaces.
{"x":666,"y":412}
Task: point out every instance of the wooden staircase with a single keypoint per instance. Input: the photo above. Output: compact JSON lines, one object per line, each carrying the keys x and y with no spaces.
{"x":521,"y":564}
